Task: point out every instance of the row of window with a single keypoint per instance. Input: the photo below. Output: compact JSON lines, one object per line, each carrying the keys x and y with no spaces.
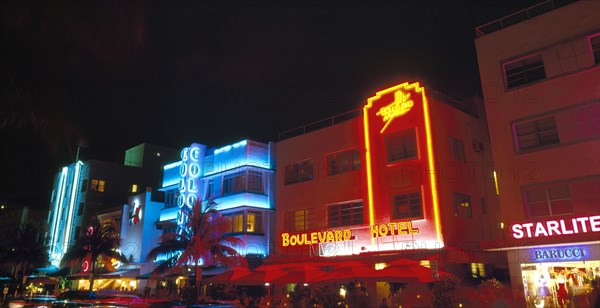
{"x":565,"y":126}
{"x":95,"y":185}
{"x":532,"y":68}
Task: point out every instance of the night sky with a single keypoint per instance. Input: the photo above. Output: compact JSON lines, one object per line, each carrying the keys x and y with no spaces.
{"x":114,"y":74}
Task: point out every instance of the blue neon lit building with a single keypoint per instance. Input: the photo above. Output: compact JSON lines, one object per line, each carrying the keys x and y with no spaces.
{"x":238,"y":177}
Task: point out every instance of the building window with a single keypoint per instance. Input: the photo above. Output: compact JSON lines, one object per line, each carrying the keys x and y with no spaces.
{"x":343,"y":162}
{"x":84,"y":185}
{"x":458,"y":149}
{"x":536,"y":133}
{"x":401,"y":145}
{"x":483,"y":206}
{"x":549,"y":201}
{"x":595,"y":45}
{"x":462,"y":206}
{"x":301,"y":220}
{"x":407,"y":206}
{"x":477,"y":270}
{"x":171,"y":198}
{"x":247,"y":180}
{"x":209,"y":189}
{"x":245,"y":222}
{"x":524,"y":71}
{"x":134,"y":188}
{"x":97,"y":185}
{"x":299,"y":172}
{"x":345,"y":214}
{"x":254,"y":222}
{"x":80,"y":209}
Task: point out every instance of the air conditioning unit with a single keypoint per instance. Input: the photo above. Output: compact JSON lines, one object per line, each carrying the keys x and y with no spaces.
{"x":478,"y":146}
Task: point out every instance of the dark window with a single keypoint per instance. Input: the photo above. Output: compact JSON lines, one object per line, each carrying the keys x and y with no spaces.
{"x":345,"y":214}
{"x":462,"y":205}
{"x":536,"y":133}
{"x":299,"y":172}
{"x":209,"y":189}
{"x":343,"y":162}
{"x":407,"y":206}
{"x":458,"y":149}
{"x":401,"y":145}
{"x":80,"y":209}
{"x":247,"y":180}
{"x":549,"y":201}
{"x":84,"y":185}
{"x":595,"y":44}
{"x":524,"y":71}
{"x":171,"y":198}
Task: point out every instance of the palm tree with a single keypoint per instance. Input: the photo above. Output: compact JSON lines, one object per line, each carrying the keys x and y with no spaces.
{"x":203,"y":238}
{"x":100,"y":242}
{"x":26,"y":249}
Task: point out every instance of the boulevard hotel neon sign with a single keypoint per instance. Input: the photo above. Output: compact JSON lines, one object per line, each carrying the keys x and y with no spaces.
{"x":392,"y":228}
{"x":587,"y":224}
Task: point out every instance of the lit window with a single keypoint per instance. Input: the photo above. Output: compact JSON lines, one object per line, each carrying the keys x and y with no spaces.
{"x":299,"y":172}
{"x":595,"y":45}
{"x":477,"y":270}
{"x":407,"y":206}
{"x":300,"y":220}
{"x":134,"y":188}
{"x":345,"y":214}
{"x":101,"y":184}
{"x":549,"y":201}
{"x":237,"y":223}
{"x":343,"y":162}
{"x":462,"y":205}
{"x":536,"y":133}
{"x":401,"y":145}
{"x":458,"y":149}
{"x":254,"y":222}
{"x":524,"y":71}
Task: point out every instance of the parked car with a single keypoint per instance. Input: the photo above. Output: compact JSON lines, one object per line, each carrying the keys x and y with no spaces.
{"x":34,"y":301}
{"x":75,"y":299}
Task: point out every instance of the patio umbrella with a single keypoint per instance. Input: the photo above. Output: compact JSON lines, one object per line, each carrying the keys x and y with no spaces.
{"x":401,"y":273}
{"x":230,"y":275}
{"x":301,"y":273}
{"x":260,"y":276}
{"x":41,"y":280}
{"x":358,"y":272}
{"x":403,"y":262}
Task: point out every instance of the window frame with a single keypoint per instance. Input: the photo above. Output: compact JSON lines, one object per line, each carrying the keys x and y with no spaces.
{"x":537,"y":133}
{"x":458,"y":199}
{"x":291,"y":172}
{"x":595,"y":52}
{"x":356,"y":213}
{"x":395,"y":208}
{"x":343,"y":162}
{"x":524,"y":62}
{"x":548,"y":200}
{"x":406,"y":136}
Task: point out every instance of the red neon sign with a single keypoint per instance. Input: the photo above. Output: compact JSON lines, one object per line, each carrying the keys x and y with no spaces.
{"x":557,"y":227}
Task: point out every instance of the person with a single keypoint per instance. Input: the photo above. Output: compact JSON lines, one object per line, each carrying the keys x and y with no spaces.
{"x":383,"y":303}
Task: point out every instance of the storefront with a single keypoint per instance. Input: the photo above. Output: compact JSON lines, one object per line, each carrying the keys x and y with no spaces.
{"x":554,"y":262}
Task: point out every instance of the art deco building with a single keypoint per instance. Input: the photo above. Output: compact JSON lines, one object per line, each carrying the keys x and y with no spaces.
{"x":540,"y":76}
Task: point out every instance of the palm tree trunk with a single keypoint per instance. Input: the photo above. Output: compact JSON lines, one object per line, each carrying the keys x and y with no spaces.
{"x":198,"y":280}
{"x":93,"y":266}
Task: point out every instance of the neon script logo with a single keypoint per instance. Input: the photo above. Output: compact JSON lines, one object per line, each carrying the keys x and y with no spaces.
{"x":400,"y":106}
{"x":561,"y":254}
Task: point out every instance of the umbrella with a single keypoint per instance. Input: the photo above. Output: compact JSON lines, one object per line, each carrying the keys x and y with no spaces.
{"x":260,"y":275}
{"x":41,"y":280}
{"x":403,"y":262}
{"x":302,"y":273}
{"x":229,"y":275}
{"x":359,"y":271}
{"x":396,"y":273}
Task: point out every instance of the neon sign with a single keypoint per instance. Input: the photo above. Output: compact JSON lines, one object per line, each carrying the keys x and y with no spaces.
{"x":393,"y":228}
{"x":135,"y":215}
{"x":554,"y":254}
{"x":398,"y":107}
{"x":556,"y":227}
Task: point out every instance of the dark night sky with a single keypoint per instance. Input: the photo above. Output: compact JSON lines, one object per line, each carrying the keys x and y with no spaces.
{"x":114,"y":74}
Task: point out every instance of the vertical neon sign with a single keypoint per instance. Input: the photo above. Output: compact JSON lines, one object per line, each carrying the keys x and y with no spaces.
{"x":190,"y":170}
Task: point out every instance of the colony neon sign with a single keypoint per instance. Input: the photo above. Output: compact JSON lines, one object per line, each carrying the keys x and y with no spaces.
{"x":189,"y":170}
{"x":557,"y":227}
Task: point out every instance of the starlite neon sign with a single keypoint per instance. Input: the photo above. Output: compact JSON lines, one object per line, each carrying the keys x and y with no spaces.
{"x":557,"y":227}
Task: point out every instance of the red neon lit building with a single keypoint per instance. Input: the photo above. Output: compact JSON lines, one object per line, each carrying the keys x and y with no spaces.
{"x":408,"y":175}
{"x":541,"y":88}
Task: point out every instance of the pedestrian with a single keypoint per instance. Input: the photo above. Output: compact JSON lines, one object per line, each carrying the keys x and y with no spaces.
{"x":383,"y":303}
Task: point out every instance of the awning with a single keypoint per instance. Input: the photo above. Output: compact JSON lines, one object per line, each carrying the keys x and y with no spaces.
{"x":128,"y":273}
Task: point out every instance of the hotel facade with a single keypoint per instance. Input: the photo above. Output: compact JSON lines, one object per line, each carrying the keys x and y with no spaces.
{"x":540,"y":77}
{"x":407,"y":176}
